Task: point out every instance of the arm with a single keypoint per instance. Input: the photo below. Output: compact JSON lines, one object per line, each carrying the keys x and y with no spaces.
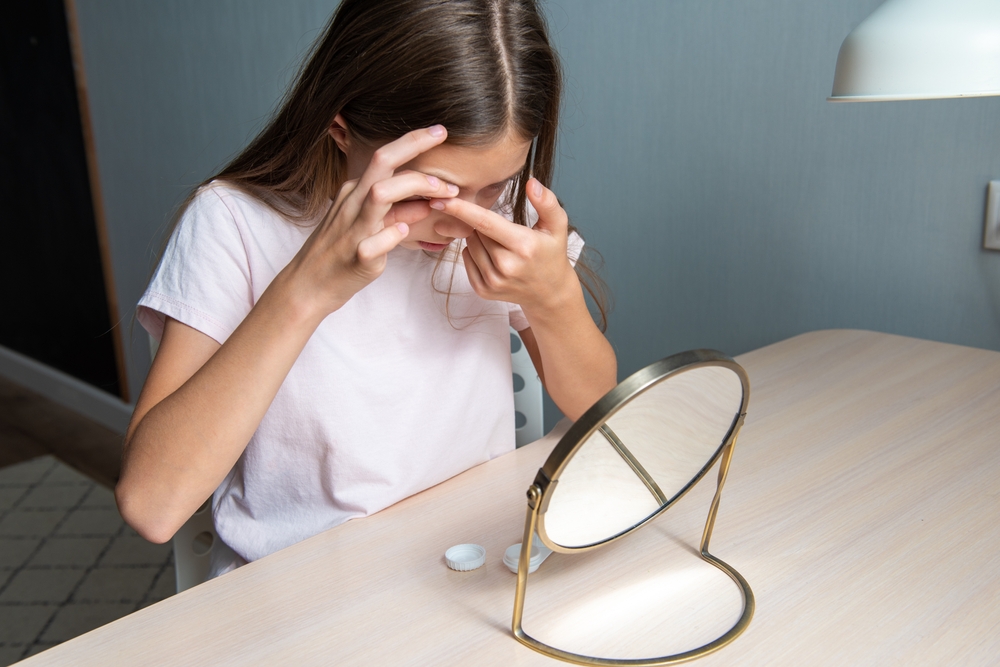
{"x":528,"y":266}
{"x":198,"y":409}
{"x":576,"y":366}
{"x":203,"y":401}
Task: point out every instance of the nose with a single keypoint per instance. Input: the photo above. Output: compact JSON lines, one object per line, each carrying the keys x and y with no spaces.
{"x":452,"y":227}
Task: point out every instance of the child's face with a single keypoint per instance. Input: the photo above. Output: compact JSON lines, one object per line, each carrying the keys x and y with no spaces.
{"x":481,"y":173}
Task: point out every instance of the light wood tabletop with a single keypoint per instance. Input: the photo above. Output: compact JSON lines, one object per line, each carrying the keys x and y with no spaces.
{"x":861,"y":506}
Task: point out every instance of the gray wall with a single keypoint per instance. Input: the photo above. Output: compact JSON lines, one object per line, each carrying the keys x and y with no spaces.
{"x":176,"y":88}
{"x":734,"y":206}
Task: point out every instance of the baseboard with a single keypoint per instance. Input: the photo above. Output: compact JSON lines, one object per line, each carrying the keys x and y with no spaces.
{"x":66,"y":390}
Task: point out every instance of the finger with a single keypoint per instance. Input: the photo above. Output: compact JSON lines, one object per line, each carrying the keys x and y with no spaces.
{"x":551,"y":216}
{"x":495,"y":250}
{"x":382,"y":196}
{"x":406,"y":185}
{"x":484,"y":261}
{"x":408,"y":212}
{"x":486,"y":222}
{"x":379,"y":244}
{"x":393,"y":155}
{"x":475,"y":275}
{"x":345,"y":190}
{"x":390,"y":157}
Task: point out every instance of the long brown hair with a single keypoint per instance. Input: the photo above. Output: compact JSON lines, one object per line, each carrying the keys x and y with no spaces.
{"x":481,"y":68}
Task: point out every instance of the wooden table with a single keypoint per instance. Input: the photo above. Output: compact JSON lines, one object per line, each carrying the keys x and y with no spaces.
{"x":862,"y":507}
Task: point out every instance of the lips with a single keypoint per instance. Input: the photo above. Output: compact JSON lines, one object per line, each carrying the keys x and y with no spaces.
{"x":433,"y":247}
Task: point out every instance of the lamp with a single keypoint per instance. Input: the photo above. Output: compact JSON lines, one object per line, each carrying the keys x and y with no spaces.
{"x":919,"y":50}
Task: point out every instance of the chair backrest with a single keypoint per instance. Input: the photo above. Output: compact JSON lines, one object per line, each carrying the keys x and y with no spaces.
{"x":193,"y":545}
{"x":194,"y":541}
{"x":528,"y":417}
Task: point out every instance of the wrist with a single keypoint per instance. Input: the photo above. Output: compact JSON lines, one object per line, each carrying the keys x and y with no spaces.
{"x":294,"y":306}
{"x":559,"y":305}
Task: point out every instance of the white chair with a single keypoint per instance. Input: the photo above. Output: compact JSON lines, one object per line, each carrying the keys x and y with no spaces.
{"x":193,"y":545}
{"x":528,"y":417}
{"x":194,"y":541}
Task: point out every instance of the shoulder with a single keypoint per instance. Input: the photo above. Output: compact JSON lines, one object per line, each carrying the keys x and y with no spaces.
{"x":220,"y":208}
{"x":223,"y":199}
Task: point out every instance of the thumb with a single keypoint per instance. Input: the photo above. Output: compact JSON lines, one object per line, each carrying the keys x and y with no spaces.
{"x":551,"y":216}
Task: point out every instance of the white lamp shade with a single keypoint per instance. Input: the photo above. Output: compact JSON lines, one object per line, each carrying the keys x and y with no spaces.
{"x":921,"y":49}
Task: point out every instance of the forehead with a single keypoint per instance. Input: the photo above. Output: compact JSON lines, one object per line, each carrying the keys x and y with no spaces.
{"x":474,"y":167}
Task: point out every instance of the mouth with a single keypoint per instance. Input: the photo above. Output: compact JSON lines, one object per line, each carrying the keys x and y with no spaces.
{"x":433,"y":247}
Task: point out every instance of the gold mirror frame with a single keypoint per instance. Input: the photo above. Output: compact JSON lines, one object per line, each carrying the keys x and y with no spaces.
{"x":540,"y":493}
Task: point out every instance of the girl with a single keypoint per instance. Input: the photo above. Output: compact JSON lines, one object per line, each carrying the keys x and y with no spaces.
{"x":333,"y":306}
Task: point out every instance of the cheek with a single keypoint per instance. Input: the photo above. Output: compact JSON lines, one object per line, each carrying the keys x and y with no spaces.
{"x":487,"y":199}
{"x":445,"y":225}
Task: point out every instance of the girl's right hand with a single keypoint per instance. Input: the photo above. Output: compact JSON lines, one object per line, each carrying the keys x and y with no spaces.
{"x":370,"y":217}
{"x":203,"y":401}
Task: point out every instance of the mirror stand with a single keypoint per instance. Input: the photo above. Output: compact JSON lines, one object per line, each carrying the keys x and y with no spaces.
{"x":530,"y":523}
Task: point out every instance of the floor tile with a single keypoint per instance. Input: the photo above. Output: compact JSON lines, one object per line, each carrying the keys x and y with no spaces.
{"x":55,"y":496}
{"x":41,"y":586}
{"x":14,"y":552}
{"x":45,"y":445}
{"x":10,"y":654}
{"x":29,"y":472}
{"x":30,"y":523}
{"x":65,"y":474}
{"x":100,"y":498}
{"x":128,"y":550}
{"x":20,"y":624}
{"x":166,"y":585}
{"x":75,"y":619}
{"x":38,"y":648}
{"x":116,"y":584}
{"x":92,"y":522}
{"x":10,"y":495}
{"x":70,"y":551}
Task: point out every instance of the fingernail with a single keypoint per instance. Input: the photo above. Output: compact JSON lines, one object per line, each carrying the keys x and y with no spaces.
{"x":433,"y":180}
{"x":436,"y":130}
{"x":403,"y":228}
{"x":452,"y":189}
{"x":437,"y":204}
{"x":536,"y":187}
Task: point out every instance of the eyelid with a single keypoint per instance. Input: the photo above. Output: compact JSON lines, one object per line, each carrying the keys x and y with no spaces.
{"x":501,"y":185}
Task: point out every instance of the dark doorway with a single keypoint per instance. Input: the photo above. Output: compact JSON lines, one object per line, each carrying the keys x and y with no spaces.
{"x":53,"y":305}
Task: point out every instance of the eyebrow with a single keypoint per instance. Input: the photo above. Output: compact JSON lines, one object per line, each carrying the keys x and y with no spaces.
{"x":448,"y":179}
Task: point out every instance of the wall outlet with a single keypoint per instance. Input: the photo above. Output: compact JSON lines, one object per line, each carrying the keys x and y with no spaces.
{"x":991,"y":233}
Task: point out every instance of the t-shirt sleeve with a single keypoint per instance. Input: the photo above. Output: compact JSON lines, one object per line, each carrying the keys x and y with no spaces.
{"x":574,"y":247}
{"x":203,"y":279}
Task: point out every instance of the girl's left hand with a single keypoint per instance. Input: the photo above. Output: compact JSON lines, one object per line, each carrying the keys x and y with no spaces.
{"x":523,"y":265}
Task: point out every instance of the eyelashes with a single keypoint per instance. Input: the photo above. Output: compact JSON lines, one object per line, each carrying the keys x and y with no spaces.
{"x":496,"y":188}
{"x":499,"y":187}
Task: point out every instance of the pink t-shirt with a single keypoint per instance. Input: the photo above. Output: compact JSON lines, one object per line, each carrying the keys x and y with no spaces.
{"x":394,"y":393}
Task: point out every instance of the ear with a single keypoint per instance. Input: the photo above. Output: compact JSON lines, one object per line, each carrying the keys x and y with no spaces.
{"x":338,"y":130}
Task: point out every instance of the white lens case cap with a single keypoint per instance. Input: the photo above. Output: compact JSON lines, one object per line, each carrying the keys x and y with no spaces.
{"x":539,"y":552}
{"x":465,"y":557}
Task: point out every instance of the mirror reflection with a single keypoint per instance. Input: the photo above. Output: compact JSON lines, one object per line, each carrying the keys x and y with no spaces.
{"x":644,"y":456}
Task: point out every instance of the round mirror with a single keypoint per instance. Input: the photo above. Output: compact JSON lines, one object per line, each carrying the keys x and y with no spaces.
{"x":643,"y":456}
{"x":630,"y":457}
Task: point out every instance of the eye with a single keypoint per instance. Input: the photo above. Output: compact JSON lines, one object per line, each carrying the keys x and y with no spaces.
{"x":498,"y":187}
